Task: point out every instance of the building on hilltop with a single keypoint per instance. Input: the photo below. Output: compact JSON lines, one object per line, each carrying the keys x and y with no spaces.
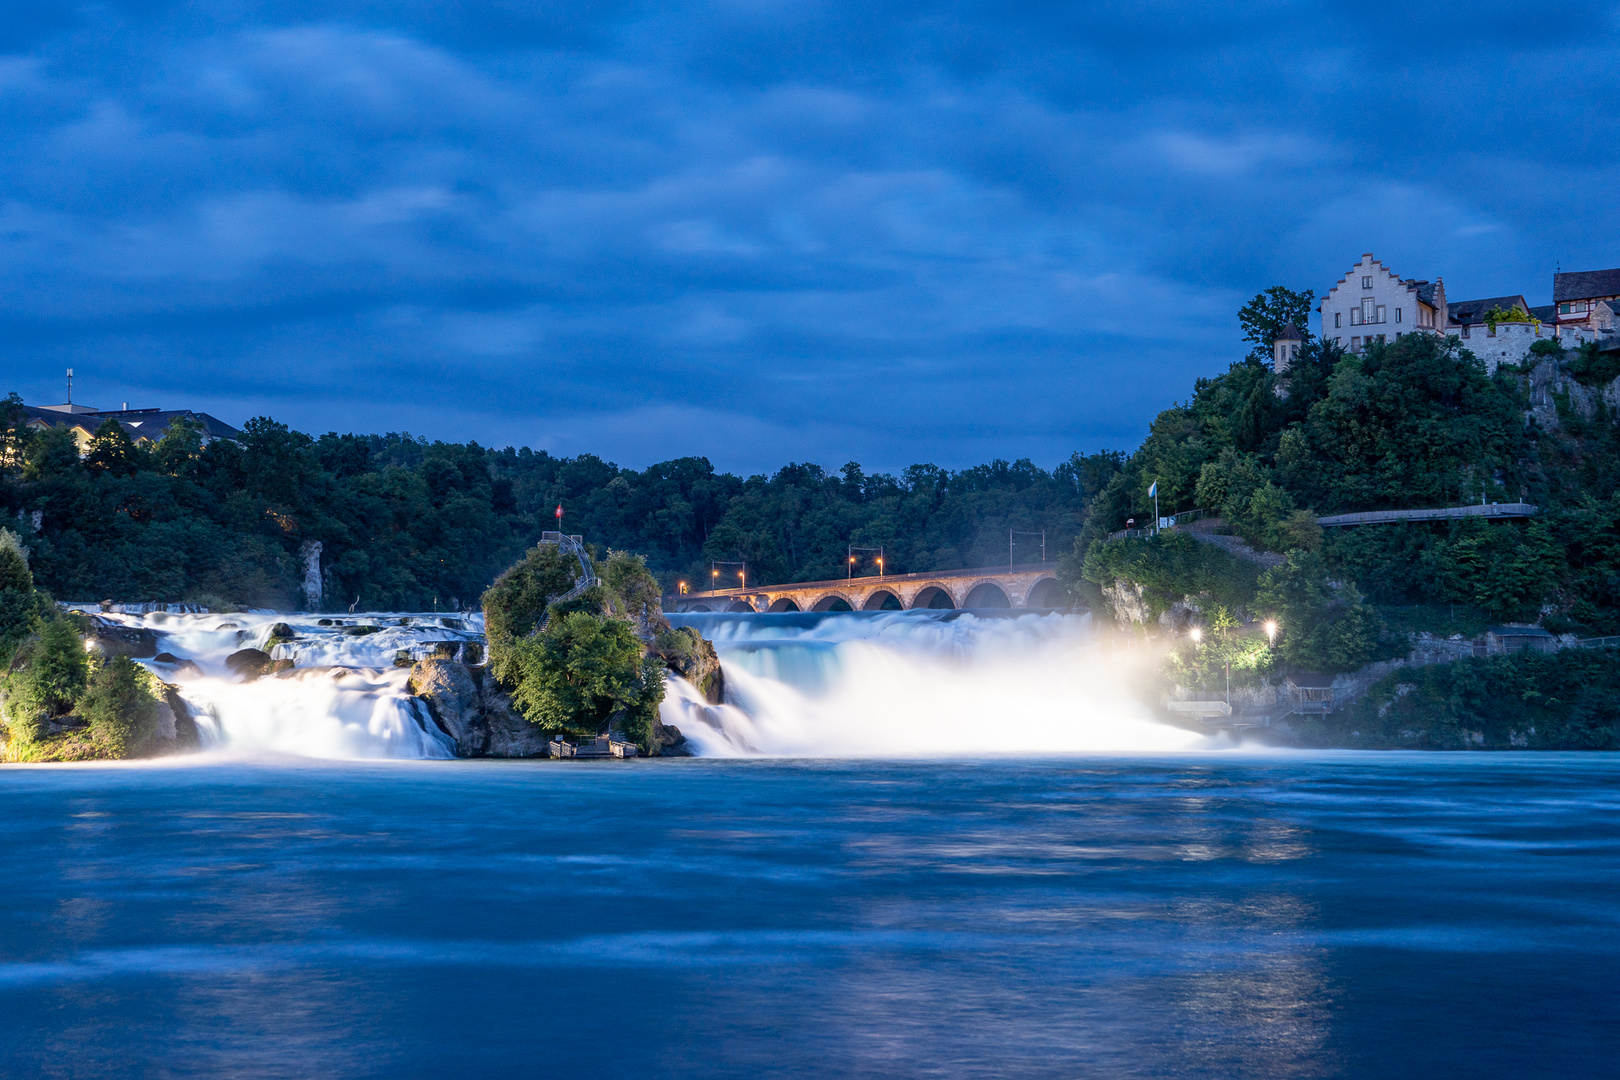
{"x":143,"y":426}
{"x":1285,"y":347}
{"x":1372,"y":303}
{"x":1577,"y":294}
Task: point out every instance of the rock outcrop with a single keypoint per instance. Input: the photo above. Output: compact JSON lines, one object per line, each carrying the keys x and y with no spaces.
{"x":249,"y":663}
{"x":474,"y":711}
{"x":691,"y":656}
{"x":114,"y":639}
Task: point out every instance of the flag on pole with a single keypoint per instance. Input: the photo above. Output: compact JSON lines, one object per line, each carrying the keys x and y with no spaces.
{"x":1153,"y":493}
{"x":559,"y":513}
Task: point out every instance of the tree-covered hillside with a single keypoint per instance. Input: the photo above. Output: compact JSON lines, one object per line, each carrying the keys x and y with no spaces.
{"x":407,"y":523}
{"x":1412,"y":423}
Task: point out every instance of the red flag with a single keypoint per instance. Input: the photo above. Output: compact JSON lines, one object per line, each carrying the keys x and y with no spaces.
{"x":559,"y":513}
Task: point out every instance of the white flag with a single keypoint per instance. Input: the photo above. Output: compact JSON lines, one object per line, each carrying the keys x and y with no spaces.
{"x":1153,"y":492}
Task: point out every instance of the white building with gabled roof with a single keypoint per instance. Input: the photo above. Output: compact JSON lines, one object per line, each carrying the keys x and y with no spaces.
{"x":1373,"y":303}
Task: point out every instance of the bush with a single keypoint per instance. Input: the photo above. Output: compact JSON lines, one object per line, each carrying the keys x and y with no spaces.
{"x":121,"y":706}
{"x":1568,"y":700}
{"x":47,"y":676}
{"x":581,"y":670}
{"x":17,"y":601}
{"x":516,"y":603}
{"x":1169,"y":567}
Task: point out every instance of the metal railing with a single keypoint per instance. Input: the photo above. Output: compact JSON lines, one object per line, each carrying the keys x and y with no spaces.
{"x":575,"y":546}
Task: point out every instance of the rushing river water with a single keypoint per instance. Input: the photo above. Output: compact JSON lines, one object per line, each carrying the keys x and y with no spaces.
{"x":1209,"y":915}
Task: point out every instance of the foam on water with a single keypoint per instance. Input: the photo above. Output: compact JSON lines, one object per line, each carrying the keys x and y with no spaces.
{"x":917,"y":683}
{"x":866,"y":684}
{"x":343,"y":698}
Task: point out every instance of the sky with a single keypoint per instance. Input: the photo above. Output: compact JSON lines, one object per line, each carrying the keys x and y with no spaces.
{"x":759,"y":232}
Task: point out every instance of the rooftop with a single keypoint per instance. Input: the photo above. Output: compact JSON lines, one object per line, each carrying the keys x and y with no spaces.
{"x":1469,"y":312}
{"x":1585,"y":285}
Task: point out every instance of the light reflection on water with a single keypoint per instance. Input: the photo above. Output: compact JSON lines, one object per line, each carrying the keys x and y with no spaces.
{"x":1290,"y":916}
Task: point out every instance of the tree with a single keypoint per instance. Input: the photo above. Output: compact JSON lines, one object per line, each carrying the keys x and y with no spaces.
{"x":17,"y":602}
{"x":1325,"y":625}
{"x":1263,"y":317}
{"x":515,"y":605}
{"x":121,"y":706}
{"x":111,"y":451}
{"x":580,"y":670}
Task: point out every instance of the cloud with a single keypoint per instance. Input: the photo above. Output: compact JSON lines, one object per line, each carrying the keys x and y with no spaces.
{"x":818,"y":231}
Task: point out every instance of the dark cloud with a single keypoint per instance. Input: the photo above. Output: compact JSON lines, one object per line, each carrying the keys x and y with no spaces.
{"x":758,"y":231}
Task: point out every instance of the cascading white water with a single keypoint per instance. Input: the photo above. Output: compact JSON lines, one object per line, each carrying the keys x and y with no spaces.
{"x":868,"y":684}
{"x":916,"y":683}
{"x":344,"y":698}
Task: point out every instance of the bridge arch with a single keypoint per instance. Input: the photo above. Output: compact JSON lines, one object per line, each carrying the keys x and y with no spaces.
{"x":987,"y":594}
{"x":883,"y":600}
{"x":785,"y":603}
{"x":832,"y":602}
{"x":933,"y":596}
{"x":740,"y":605}
{"x":1043,"y":594}
{"x":697,"y":607}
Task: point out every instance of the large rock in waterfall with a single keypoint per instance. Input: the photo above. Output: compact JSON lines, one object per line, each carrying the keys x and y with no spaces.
{"x":249,"y":663}
{"x":111,"y":638}
{"x":474,"y":711}
{"x":691,"y":656}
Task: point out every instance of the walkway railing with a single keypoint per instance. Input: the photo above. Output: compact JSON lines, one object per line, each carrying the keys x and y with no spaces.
{"x":575,"y":546}
{"x":1448,"y":513}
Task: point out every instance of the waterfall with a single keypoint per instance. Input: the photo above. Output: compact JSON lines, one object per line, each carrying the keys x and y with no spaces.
{"x":917,"y":684}
{"x":856,"y":684}
{"x":345,"y":697}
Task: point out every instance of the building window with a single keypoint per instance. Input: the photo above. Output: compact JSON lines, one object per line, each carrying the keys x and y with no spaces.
{"x":1465,"y":330}
{"x":1397,"y":314}
{"x":1355,"y":344}
{"x":1563,"y":309}
{"x":1380,"y":338}
{"x":1366,"y":282}
{"x":1337,"y":315}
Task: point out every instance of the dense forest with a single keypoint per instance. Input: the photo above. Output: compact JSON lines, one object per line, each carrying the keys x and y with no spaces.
{"x":410,"y":524}
{"x":1415,"y":422}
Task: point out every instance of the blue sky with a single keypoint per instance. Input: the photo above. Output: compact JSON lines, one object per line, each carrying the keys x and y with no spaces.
{"x":759,"y":232}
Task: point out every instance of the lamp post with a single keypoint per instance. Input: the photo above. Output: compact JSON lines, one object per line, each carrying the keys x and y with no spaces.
{"x":1271,"y":632}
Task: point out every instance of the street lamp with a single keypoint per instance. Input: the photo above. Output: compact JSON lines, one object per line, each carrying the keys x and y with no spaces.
{"x":742,"y":579}
{"x":850,"y":573}
{"x":1271,"y":631}
{"x":1197,"y":634}
{"x":682,"y":584}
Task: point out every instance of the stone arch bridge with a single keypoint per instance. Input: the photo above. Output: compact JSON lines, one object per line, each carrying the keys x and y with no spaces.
{"x":1032,"y":585}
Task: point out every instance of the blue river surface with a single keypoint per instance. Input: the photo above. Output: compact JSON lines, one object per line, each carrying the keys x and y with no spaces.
{"x":1222,"y":915}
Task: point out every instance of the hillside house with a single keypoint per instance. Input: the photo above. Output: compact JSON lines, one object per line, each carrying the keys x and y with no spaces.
{"x":1577,"y":294}
{"x":1373,"y":303}
{"x":143,"y":426}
